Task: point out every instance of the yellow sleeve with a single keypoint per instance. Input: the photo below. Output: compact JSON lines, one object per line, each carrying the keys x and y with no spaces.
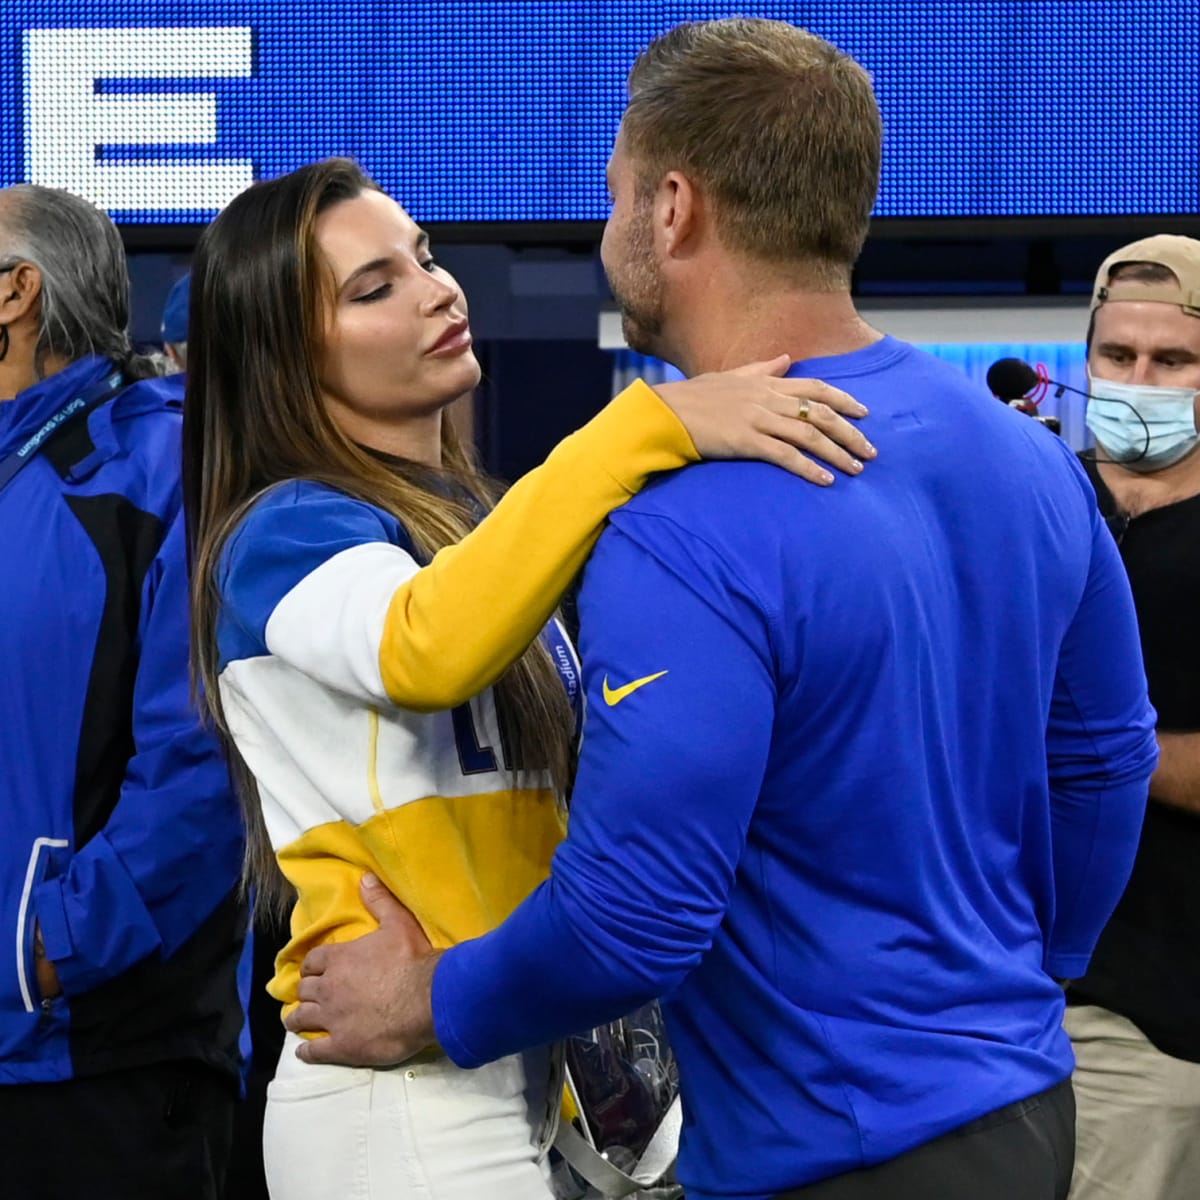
{"x":457,"y":625}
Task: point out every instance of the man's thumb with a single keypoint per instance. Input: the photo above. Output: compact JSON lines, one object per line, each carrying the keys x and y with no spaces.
{"x":381,"y":904}
{"x":386,"y":909}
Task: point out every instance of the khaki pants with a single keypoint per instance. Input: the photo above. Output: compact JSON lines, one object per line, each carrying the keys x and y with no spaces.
{"x":1137,"y":1123}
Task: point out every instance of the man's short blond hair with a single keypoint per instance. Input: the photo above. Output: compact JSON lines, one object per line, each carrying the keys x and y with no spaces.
{"x":779,"y":127}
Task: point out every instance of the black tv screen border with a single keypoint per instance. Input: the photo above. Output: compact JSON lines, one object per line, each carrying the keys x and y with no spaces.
{"x":182,"y":238}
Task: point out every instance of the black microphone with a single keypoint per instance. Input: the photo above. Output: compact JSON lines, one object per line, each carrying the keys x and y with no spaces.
{"x":1023,"y":387}
{"x":1012,"y":379}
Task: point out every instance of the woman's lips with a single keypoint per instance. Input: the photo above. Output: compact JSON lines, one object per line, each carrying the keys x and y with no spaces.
{"x":455,"y":340}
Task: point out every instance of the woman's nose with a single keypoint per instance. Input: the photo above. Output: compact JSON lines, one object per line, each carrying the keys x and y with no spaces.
{"x":439,"y":295}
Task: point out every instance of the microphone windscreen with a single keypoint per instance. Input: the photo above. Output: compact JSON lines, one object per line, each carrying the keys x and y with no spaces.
{"x":1011,"y":378}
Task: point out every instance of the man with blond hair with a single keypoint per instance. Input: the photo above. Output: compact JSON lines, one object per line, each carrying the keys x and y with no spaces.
{"x":1133,"y":1018}
{"x":864,"y":767}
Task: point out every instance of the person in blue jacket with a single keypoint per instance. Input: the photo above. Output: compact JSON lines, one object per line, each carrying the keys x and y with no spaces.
{"x":174,"y":327}
{"x":863,"y":768}
{"x":121,"y":854}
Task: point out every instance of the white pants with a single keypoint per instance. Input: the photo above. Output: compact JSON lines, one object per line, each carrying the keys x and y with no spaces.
{"x":1137,"y":1128}
{"x":424,"y":1130}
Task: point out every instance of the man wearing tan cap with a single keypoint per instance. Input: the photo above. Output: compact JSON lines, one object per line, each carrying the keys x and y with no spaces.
{"x":1135,"y":1016}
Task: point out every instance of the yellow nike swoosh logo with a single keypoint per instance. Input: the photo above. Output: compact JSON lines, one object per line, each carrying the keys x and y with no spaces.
{"x":614,"y":696}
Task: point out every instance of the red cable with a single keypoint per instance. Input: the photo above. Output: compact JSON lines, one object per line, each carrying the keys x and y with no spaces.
{"x":1043,"y":385}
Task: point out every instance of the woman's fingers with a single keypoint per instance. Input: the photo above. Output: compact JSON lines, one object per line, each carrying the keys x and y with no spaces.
{"x":780,"y":453}
{"x":817,"y":391}
{"x":804,"y":438}
{"x":801,"y":411}
{"x":750,"y":413}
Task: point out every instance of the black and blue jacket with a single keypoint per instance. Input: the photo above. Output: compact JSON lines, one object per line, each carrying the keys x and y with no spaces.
{"x":121,"y":835}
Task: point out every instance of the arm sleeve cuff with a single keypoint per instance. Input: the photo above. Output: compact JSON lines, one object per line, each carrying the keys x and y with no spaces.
{"x":94,"y":923}
{"x":443,"y":1022}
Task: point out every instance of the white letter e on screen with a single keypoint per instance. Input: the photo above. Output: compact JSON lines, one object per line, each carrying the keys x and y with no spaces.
{"x":67,"y":120}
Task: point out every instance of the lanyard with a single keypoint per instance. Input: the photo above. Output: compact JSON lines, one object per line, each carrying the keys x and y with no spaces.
{"x":84,"y":402}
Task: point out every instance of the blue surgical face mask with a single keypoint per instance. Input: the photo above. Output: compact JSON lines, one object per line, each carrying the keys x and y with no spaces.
{"x":1143,"y":428}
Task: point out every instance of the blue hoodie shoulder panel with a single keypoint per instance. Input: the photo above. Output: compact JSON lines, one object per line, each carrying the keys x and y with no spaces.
{"x":291,"y":531}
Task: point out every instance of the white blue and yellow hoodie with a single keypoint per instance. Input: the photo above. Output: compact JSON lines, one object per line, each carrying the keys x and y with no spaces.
{"x":356,"y":685}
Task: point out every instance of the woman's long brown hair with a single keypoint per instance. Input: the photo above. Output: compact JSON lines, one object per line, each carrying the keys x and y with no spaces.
{"x":254,"y":417}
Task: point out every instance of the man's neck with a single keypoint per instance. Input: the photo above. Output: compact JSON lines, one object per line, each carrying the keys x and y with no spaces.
{"x":733,"y":325}
{"x":1138,"y":492}
{"x":18,"y":372}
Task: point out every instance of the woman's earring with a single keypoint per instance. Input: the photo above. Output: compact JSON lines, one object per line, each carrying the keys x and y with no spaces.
{"x":3,"y":342}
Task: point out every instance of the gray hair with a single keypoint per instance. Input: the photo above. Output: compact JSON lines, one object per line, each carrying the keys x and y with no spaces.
{"x":85,"y":279}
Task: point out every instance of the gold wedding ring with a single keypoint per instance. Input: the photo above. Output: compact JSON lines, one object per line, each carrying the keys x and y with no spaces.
{"x":802,"y":415}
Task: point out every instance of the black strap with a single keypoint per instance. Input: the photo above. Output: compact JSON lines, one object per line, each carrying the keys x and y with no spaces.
{"x":82,"y":403}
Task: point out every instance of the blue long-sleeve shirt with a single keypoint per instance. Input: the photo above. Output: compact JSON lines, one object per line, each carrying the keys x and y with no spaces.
{"x":880,"y":782}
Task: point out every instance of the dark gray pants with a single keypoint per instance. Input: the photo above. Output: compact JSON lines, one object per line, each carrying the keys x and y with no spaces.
{"x":1024,"y":1151}
{"x":159,"y":1132}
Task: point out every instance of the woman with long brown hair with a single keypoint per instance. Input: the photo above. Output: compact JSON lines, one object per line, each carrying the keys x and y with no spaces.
{"x":346,"y":592}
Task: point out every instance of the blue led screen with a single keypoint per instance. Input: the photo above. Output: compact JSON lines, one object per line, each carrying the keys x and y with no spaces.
{"x":498,"y":110}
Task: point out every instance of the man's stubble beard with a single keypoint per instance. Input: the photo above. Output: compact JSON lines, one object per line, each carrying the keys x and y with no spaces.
{"x":639,"y":336}
{"x":639,"y":294}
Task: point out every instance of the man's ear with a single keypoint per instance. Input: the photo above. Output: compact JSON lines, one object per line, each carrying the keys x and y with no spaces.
{"x":20,"y":290}
{"x":678,"y":212}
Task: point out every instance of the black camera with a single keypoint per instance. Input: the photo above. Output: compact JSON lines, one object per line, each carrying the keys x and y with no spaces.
{"x":1051,"y":423}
